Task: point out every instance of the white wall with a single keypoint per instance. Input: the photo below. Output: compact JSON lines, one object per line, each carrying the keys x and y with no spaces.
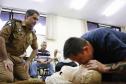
{"x":0,"y":7}
{"x":65,"y":28}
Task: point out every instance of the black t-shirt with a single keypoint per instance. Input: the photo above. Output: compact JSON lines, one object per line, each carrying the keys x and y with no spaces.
{"x":109,"y":45}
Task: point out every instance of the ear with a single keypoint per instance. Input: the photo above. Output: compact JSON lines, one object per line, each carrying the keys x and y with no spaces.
{"x":86,"y":48}
{"x":26,"y":16}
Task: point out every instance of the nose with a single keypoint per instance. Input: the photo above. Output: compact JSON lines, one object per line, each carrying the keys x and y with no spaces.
{"x":34,"y":22}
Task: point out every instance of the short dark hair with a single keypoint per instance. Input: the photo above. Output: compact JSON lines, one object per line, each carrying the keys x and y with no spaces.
{"x":73,"y":46}
{"x":30,"y":12}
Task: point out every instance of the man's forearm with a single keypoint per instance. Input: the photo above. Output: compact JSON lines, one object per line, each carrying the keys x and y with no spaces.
{"x":3,"y":51}
{"x":49,"y":60}
{"x":119,"y":67}
{"x":33,"y":54}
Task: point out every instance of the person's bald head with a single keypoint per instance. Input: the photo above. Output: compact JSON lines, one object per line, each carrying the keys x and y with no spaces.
{"x":43,"y":45}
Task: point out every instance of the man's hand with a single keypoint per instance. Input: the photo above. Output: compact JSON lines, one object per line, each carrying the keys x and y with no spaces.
{"x":8,"y":64}
{"x":42,"y":61}
{"x":95,"y":65}
{"x":26,"y":65}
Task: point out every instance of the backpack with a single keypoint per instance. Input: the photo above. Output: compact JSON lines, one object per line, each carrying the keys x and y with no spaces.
{"x":12,"y":24}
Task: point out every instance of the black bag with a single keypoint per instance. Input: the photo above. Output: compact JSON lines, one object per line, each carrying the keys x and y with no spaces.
{"x":59,"y":65}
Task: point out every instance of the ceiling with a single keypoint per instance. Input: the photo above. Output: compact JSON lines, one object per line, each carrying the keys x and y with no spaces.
{"x":92,"y":11}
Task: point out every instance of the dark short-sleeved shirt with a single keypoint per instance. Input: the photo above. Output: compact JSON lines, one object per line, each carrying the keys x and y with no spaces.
{"x":20,"y":38}
{"x":109,"y":45}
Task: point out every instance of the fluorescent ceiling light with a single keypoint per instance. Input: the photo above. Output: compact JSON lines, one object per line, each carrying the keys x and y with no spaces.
{"x":114,"y":7}
{"x":78,"y":4}
{"x":38,"y":0}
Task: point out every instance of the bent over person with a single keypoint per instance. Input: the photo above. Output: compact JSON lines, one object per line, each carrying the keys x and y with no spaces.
{"x":15,"y":37}
{"x":103,"y":50}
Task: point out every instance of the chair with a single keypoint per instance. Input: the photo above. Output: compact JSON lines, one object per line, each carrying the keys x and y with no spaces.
{"x":43,"y":71}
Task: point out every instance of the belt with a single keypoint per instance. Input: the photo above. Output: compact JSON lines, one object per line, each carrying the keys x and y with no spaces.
{"x":22,"y":55}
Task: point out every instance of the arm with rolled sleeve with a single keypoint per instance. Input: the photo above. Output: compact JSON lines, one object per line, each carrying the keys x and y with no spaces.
{"x":34,"y":46}
{"x":49,"y":59}
{"x":4,"y":35}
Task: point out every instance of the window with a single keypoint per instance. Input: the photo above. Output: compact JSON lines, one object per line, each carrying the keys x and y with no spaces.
{"x":4,"y":17}
{"x":40,"y":27}
{"x":92,"y":25}
{"x":18,"y":16}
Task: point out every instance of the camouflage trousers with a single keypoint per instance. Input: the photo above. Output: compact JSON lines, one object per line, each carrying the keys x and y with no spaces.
{"x":20,"y":70}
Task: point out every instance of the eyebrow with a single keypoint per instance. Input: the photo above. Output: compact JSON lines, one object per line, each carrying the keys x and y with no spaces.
{"x":35,"y":18}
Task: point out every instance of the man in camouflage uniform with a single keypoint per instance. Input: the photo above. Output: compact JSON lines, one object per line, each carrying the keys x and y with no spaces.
{"x":15,"y":37}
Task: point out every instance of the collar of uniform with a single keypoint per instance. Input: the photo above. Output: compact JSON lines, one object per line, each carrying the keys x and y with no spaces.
{"x":23,"y":23}
{"x":25,"y":27}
